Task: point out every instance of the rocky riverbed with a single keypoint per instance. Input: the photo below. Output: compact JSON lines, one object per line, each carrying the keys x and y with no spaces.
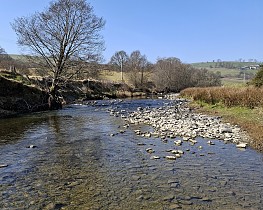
{"x":175,"y":119}
{"x":108,"y":155}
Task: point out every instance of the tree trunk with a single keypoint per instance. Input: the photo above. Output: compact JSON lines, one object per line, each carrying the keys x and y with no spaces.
{"x":54,"y":102}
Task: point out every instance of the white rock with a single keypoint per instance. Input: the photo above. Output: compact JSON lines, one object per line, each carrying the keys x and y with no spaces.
{"x":170,"y":157}
{"x":241,"y":145}
{"x":155,"y":157}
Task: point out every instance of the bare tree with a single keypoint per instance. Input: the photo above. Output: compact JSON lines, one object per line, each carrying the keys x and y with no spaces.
{"x":62,"y":39}
{"x":5,"y":60}
{"x":168,"y":74}
{"x":173,"y":75}
{"x":138,"y":64}
{"x":2,"y":51}
{"x":120,"y":59}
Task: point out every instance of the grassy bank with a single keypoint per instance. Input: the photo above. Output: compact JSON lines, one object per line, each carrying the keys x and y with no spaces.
{"x":241,"y":106}
{"x":228,"y":96}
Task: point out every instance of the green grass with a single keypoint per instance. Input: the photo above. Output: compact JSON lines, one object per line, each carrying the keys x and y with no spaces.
{"x":16,"y":77}
{"x":233,"y":82}
{"x":250,"y":120}
{"x":235,"y":64}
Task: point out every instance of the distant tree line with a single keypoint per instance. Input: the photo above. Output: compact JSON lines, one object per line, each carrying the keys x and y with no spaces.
{"x":8,"y":63}
{"x":167,"y":74}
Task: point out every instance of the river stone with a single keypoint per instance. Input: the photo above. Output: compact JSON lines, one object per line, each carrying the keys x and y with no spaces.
{"x":174,"y":206}
{"x":3,"y":165}
{"x":186,"y":202}
{"x":155,"y":157}
{"x":135,"y":177}
{"x":170,"y":157}
{"x":150,"y":150}
{"x":168,"y":198}
{"x":241,"y":145}
{"x":206,"y":199}
{"x":175,"y":185}
{"x":140,"y":198}
{"x":178,"y":155}
{"x":226,"y":129}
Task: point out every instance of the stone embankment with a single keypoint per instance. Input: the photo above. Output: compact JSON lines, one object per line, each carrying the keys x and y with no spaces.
{"x":176,"y":119}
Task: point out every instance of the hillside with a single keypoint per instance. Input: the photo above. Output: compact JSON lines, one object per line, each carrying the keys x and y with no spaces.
{"x":233,"y":73}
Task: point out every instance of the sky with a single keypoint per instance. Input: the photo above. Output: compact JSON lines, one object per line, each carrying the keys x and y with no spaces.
{"x":191,"y":30}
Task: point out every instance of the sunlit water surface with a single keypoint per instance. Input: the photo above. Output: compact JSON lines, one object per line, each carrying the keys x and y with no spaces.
{"x":77,"y":164}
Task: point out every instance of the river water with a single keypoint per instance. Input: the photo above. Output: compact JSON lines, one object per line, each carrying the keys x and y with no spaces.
{"x":75,"y":163}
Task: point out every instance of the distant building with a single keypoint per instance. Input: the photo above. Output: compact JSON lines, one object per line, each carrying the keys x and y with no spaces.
{"x":255,"y":67}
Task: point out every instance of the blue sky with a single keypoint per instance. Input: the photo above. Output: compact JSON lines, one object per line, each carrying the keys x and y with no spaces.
{"x":191,"y":30}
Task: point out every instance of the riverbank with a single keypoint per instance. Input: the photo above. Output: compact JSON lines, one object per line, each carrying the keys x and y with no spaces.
{"x":17,"y":98}
{"x":242,"y":108}
{"x":20,"y":94}
{"x":250,"y":120}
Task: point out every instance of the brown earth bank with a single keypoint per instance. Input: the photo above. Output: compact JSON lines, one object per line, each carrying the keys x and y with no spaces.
{"x":19,"y":96}
{"x":16,"y":97}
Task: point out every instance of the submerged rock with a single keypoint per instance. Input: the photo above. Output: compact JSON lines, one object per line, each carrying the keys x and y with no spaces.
{"x":150,"y":150}
{"x":170,"y":157}
{"x":3,"y":165}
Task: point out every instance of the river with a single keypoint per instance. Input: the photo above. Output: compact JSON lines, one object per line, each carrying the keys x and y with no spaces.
{"x":77,"y":158}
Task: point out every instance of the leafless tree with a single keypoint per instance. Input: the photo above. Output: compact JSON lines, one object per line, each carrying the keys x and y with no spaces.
{"x":120,"y":59}
{"x":5,"y":60}
{"x":138,"y":63}
{"x":62,"y":39}
{"x":2,"y":51}
{"x":170,"y":74}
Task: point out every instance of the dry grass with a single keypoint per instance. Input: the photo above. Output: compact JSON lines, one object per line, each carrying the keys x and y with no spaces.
{"x":113,"y":76}
{"x":250,"y":97}
{"x":241,"y":106}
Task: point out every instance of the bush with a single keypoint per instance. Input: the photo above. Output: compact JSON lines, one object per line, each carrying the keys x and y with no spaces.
{"x":258,"y":80}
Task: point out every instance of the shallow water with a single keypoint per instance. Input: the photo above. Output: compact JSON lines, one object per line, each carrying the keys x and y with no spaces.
{"x":76,"y":164}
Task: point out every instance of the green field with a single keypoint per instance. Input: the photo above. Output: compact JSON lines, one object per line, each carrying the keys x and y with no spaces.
{"x":230,"y":76}
{"x":233,"y":64}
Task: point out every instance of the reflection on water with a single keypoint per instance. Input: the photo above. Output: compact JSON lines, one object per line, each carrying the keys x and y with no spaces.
{"x":76,"y":164}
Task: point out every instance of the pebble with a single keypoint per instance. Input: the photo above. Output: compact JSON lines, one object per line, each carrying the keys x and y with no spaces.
{"x":241,"y":145}
{"x":3,"y":165}
{"x":174,"y":206}
{"x":168,"y":198}
{"x":210,"y":143}
{"x":150,"y":150}
{"x":155,"y":157}
{"x":135,"y":177}
{"x":186,"y":202}
{"x":170,"y":157}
